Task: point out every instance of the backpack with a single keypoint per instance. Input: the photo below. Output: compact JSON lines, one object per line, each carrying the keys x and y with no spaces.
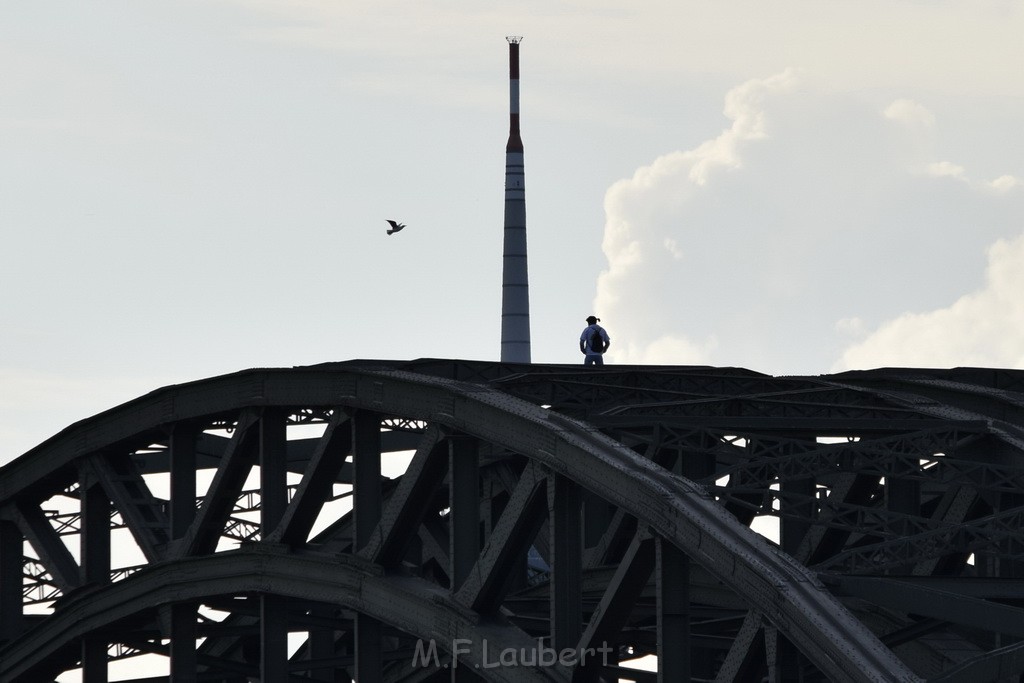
{"x":596,"y":341}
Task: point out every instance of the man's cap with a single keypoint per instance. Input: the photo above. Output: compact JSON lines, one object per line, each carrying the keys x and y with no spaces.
{"x":592,"y":319}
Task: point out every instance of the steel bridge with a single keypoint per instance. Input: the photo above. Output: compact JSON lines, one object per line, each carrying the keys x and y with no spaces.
{"x":457,"y":520}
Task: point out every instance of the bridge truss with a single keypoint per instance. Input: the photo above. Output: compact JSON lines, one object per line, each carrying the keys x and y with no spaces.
{"x":455,"y":520}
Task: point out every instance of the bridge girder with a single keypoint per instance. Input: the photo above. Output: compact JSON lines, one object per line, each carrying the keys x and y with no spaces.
{"x":544,"y":509}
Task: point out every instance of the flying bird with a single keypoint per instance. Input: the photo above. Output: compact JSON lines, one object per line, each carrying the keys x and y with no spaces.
{"x":395,"y":227}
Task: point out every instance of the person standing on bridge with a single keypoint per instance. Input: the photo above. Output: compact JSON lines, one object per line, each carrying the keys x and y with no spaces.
{"x":594,"y":342}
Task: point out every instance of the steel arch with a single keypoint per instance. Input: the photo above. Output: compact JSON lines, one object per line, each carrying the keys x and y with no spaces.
{"x":456,"y":563}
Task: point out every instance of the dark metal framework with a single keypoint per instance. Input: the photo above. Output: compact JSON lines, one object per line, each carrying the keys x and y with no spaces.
{"x":546,"y":523}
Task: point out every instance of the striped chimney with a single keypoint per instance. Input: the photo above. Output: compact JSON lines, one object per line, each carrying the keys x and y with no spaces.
{"x":515,"y":287}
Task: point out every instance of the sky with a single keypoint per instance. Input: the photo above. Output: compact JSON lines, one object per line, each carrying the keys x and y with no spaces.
{"x":194,"y":188}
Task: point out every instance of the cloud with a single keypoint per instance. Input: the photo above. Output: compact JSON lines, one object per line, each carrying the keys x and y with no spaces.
{"x":637,"y":208}
{"x":811,"y":206}
{"x":910,"y":113}
{"x":1005,"y":183}
{"x":941,"y":169}
{"x":666,"y":350}
{"x":744,"y":105}
{"x":982,"y":328}
{"x":946,"y":169}
{"x":673,"y":248}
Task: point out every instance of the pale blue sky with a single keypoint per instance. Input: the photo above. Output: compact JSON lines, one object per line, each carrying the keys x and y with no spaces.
{"x":194,"y":188}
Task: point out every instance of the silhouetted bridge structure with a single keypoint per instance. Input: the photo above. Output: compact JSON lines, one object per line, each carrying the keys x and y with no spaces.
{"x":371,"y":520}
